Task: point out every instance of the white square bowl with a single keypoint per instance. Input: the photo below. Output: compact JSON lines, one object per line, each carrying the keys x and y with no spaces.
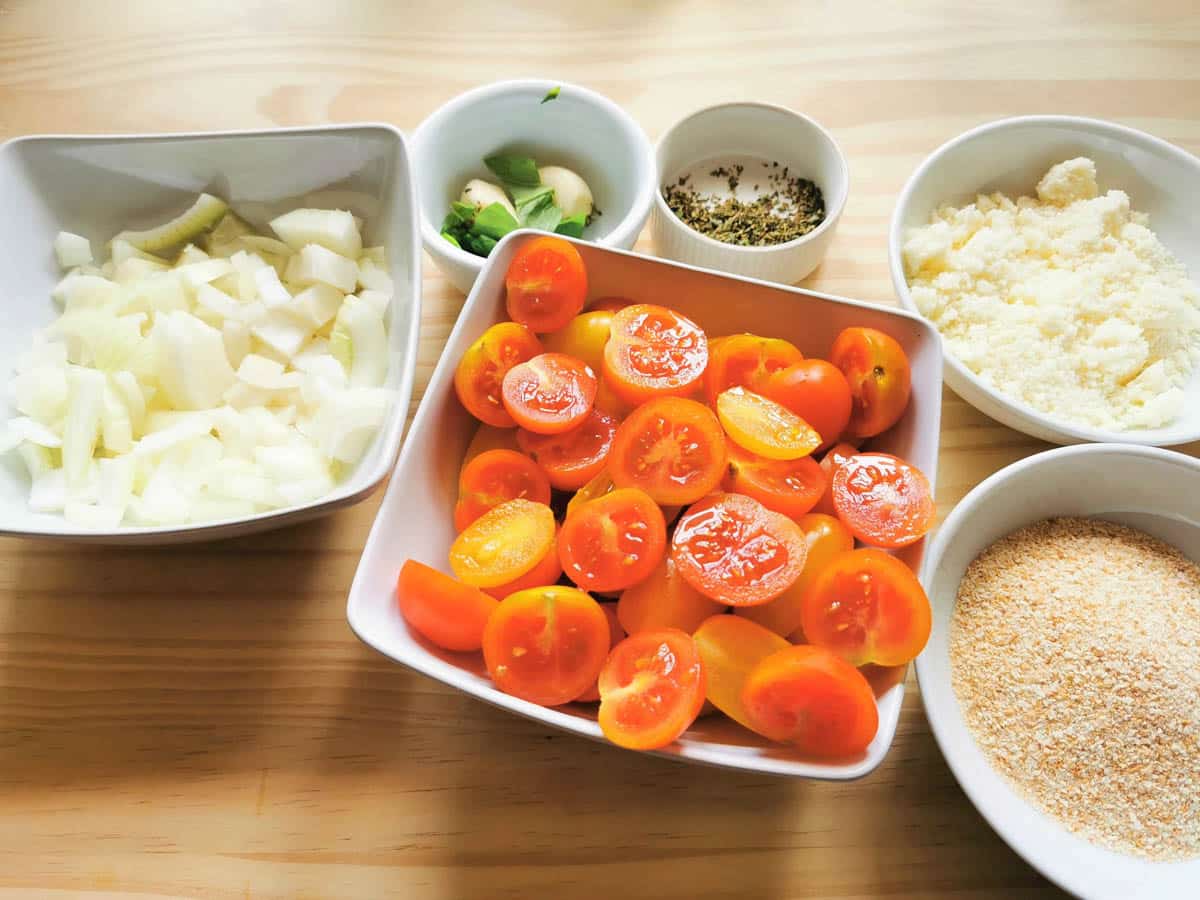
{"x":97,"y":186}
{"x":415,"y":520}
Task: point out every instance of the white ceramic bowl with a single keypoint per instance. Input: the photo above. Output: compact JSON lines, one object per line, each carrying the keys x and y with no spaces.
{"x":579,"y":129}
{"x":1010,"y":156}
{"x":762,"y":132}
{"x":1143,"y":487}
{"x":415,"y":519}
{"x":96,"y":186}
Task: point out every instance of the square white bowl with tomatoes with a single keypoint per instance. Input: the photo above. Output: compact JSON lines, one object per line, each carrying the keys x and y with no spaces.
{"x":416,"y":518}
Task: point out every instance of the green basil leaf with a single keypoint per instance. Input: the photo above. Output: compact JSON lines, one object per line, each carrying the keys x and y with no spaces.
{"x":452,"y":239}
{"x":572,"y":226}
{"x":514,"y":170}
{"x":465,"y":211}
{"x":452,"y":220}
{"x":551,"y":94}
{"x":494,"y":221}
{"x":544,"y":218}
{"x":530,"y":196}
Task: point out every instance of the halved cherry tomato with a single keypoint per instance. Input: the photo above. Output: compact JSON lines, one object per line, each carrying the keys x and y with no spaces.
{"x":616,"y":634}
{"x":600,"y":485}
{"x":877,"y":371}
{"x":550,"y":393}
{"x":867,"y":607}
{"x":731,"y":647}
{"x":817,"y":392}
{"x":608,"y":402}
{"x":614,"y":541}
{"x":664,"y":600}
{"x":746,"y":360}
{"x":764,"y":427}
{"x":494,"y":477}
{"x":546,"y":644}
{"x":503,"y":544}
{"x":546,"y":284}
{"x":883,"y":500}
{"x":788,"y":486}
{"x":653,"y":352}
{"x":733,"y":549}
{"x":610,"y":304}
{"x":825,"y":538}
{"x":812,"y":698}
{"x":584,"y":338}
{"x":489,"y":437}
{"x":545,"y":572}
{"x":671,"y":448}
{"x":830,"y":462}
{"x":480,"y":373}
{"x":446,"y":612}
{"x":651,"y":689}
{"x":573,"y":458}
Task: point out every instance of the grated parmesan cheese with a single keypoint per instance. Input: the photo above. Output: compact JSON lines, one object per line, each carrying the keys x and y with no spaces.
{"x":1067,"y":302}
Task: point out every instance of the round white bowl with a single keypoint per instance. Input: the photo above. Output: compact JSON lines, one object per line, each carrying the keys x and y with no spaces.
{"x":762,"y":131}
{"x":1142,"y":487}
{"x":579,"y":129}
{"x":1010,"y":156}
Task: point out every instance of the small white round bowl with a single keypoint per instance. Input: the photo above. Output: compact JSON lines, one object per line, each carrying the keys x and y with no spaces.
{"x":765,"y":132}
{"x":1142,"y":487}
{"x":579,"y":129}
{"x":1010,"y":156}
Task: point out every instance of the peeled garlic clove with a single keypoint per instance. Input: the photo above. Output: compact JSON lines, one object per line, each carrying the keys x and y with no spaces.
{"x":482,"y":194}
{"x":571,"y":193}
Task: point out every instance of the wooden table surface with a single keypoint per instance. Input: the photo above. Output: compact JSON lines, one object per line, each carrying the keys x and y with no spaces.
{"x":201,"y":721}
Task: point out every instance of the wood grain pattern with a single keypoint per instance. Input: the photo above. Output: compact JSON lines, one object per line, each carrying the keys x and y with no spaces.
{"x":201,"y":722}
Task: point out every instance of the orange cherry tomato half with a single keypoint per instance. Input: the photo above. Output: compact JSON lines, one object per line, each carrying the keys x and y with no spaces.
{"x":610,"y":304}
{"x":830,"y":462}
{"x":584,"y":338}
{"x":788,"y":486}
{"x":546,"y":644}
{"x":600,"y":485}
{"x":546,"y":284}
{"x":733,"y":549}
{"x":651,"y":689}
{"x":489,"y":437}
{"x":549,"y":394}
{"x":494,"y":477}
{"x":746,"y":360}
{"x":825,"y":537}
{"x":763,"y":426}
{"x":653,"y":352}
{"x":503,"y":544}
{"x":616,"y":634}
{"x":480,"y":373}
{"x":867,"y":607}
{"x":664,"y":600}
{"x":573,"y":458}
{"x":545,"y":572}
{"x":671,"y":448}
{"x":446,"y":612}
{"x":883,"y":500}
{"x":877,"y":371}
{"x":817,"y":392}
{"x":612,"y":542}
{"x":812,"y":698}
{"x":731,"y":647}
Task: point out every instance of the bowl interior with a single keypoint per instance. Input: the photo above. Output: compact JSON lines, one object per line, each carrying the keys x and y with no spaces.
{"x":98,"y":186}
{"x":1011,"y":157}
{"x":415,"y":518}
{"x":1145,"y":488}
{"x":579,"y":129}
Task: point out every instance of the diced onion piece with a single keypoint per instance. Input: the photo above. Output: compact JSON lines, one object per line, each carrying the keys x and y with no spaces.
{"x":373,"y":278}
{"x":334,"y":229}
{"x":198,"y":273}
{"x":347,"y":422}
{"x":130,"y":391}
{"x":270,"y":289}
{"x":377,"y":300}
{"x":377,"y":255}
{"x":315,"y":264}
{"x":359,"y":329}
{"x":281,"y":331}
{"x":205,"y":213}
{"x":236,"y":337}
{"x":38,"y":460}
{"x":180,"y":428}
{"x":72,"y":250}
{"x":41,"y":392}
{"x":194,"y":371}
{"x":121,"y":250}
{"x":48,"y":491}
{"x":22,"y":429}
{"x":317,"y":304}
{"x":116,"y":426}
{"x":82,"y":429}
{"x":77,"y":291}
{"x":218,"y":302}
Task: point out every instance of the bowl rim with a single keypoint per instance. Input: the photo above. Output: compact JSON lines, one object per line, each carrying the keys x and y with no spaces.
{"x":1015,"y":834}
{"x":627,"y":226}
{"x":393,"y":429}
{"x":831,"y":215}
{"x":1033,"y":421}
{"x":549,"y":716}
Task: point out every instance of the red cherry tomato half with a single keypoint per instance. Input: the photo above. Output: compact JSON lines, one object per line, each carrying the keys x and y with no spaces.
{"x":883,"y":500}
{"x":788,"y":486}
{"x":573,"y":458}
{"x":480,"y":373}
{"x":830,"y":462}
{"x":550,"y":393}
{"x":546,"y":284}
{"x":746,"y":360}
{"x":616,"y":634}
{"x":653,"y":351}
{"x":651,"y":689}
{"x":672,"y":448}
{"x":612,"y":542}
{"x":492,"y":478}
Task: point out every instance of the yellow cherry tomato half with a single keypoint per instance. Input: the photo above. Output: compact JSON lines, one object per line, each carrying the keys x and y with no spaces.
{"x":584,"y":337}
{"x":763,"y":426}
{"x":503,"y":544}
